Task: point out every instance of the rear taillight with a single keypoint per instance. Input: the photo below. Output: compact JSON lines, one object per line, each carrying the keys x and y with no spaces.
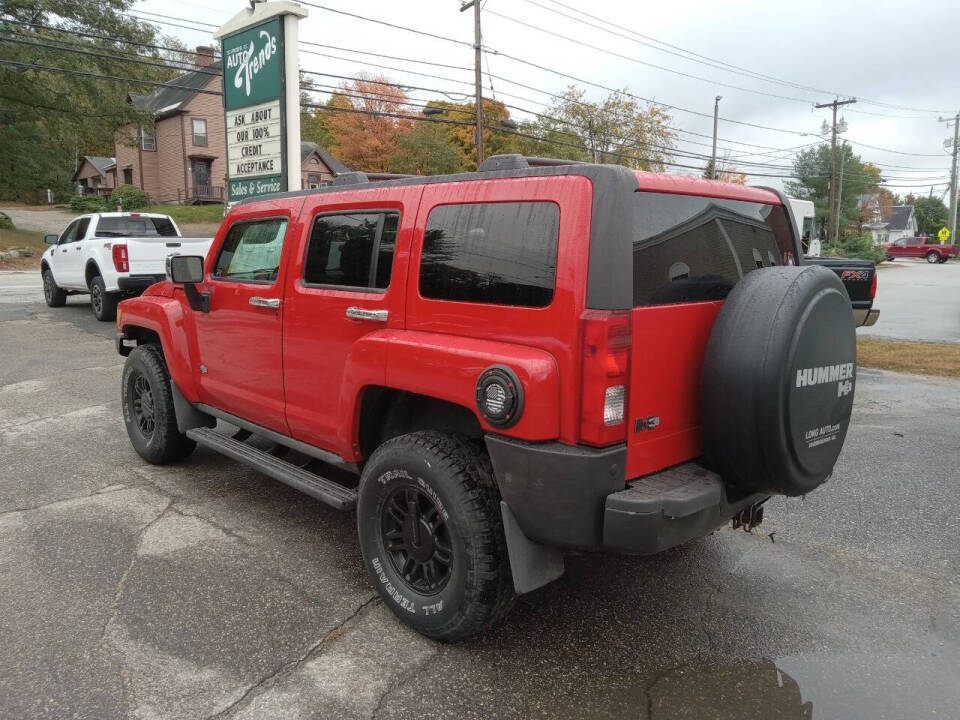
{"x":120,"y":260}
{"x":873,"y":286}
{"x":606,"y":372}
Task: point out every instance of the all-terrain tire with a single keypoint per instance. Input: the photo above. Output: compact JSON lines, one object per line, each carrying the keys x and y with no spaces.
{"x":148,"y":410}
{"x":933,"y":257}
{"x":103,"y":303}
{"x":446,"y":483}
{"x":52,"y":293}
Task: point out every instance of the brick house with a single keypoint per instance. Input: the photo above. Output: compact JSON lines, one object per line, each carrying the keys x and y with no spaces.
{"x":95,"y":175}
{"x":183,"y":158}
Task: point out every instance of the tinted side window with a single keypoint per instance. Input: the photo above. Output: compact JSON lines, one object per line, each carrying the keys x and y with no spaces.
{"x":251,"y":251}
{"x":504,"y":253}
{"x":694,"y":249}
{"x":352,"y":250}
{"x":82,"y":228}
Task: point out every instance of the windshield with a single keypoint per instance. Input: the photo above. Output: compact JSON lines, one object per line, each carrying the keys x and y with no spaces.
{"x":141,"y":226}
{"x":689,"y":248}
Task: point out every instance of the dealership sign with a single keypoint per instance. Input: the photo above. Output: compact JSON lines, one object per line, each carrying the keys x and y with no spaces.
{"x":262,"y":124}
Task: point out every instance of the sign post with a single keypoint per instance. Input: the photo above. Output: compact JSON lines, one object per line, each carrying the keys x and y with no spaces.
{"x":261,"y":98}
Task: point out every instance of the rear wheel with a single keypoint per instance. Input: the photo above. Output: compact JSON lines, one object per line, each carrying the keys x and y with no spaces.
{"x":148,"y":410}
{"x":933,"y":257}
{"x":103,"y":303}
{"x":52,"y":293}
{"x":431,"y":534}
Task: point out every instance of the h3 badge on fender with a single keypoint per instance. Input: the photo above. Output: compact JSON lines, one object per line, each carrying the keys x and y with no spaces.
{"x":647,"y":423}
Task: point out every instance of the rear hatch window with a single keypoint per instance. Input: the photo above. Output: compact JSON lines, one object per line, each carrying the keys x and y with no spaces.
{"x":135,"y":227}
{"x":688,"y":253}
{"x":693,"y":249}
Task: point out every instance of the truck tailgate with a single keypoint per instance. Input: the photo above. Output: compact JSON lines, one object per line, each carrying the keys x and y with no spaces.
{"x":148,"y":256}
{"x":669,"y":343}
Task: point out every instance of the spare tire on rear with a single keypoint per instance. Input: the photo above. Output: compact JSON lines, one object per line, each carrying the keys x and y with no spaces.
{"x":778,"y":379}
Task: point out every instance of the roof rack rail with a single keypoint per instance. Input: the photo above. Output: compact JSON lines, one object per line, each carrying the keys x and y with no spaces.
{"x":515,"y":161}
{"x":356,"y":177}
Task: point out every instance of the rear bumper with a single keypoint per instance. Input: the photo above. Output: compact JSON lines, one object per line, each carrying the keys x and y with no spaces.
{"x":575,"y":497}
{"x":138,"y":283}
{"x":866,"y":318}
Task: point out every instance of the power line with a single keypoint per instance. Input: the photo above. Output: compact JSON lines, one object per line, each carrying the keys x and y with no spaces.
{"x":722,"y":65}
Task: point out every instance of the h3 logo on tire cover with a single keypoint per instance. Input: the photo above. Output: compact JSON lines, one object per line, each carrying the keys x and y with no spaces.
{"x":841,"y":373}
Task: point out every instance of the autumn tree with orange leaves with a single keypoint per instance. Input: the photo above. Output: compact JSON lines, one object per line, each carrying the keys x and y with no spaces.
{"x":366,"y":130}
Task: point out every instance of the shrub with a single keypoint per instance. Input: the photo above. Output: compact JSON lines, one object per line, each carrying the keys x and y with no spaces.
{"x":87,"y":204}
{"x":133,"y":197}
{"x":855,"y":246}
{"x":5,"y":222}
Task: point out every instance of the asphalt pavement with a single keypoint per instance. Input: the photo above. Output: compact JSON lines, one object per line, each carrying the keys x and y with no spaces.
{"x":205,"y":589}
{"x":918,"y":301}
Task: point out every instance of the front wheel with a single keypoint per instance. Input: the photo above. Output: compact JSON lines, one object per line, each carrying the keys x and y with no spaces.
{"x":933,"y":257}
{"x":148,"y":410}
{"x":431,"y":534}
{"x":103,"y":303}
{"x":52,"y":293}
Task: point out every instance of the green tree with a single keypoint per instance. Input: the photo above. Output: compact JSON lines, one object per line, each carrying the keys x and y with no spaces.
{"x":616,"y":129}
{"x":426,"y":149}
{"x":931,"y":213}
{"x":48,"y":119}
{"x":812,"y":170}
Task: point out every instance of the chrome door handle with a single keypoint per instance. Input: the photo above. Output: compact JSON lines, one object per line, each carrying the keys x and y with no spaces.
{"x":272,"y":303}
{"x":357,"y":313}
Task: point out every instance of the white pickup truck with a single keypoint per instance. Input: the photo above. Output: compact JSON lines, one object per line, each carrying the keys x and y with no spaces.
{"x":111,"y":256}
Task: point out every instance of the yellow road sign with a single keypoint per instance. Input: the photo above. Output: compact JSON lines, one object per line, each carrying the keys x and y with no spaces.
{"x":944,"y":234}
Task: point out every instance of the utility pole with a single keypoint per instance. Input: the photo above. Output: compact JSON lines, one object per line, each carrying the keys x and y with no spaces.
{"x":832,"y":238}
{"x":953,"y":175}
{"x":843,"y":155}
{"x":477,"y":73}
{"x":713,"y":155}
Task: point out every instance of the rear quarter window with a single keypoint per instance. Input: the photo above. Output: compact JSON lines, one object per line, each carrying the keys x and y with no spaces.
{"x":502,"y":253}
{"x":695,"y":249}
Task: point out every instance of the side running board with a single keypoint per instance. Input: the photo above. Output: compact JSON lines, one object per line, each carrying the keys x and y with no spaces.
{"x":306,"y":482}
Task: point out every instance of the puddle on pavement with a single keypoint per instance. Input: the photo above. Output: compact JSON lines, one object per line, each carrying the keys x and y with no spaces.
{"x":810,"y":687}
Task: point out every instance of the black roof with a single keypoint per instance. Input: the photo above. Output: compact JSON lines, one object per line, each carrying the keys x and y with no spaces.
{"x":169,"y":99}
{"x":900,"y":216}
{"x":336,"y":167}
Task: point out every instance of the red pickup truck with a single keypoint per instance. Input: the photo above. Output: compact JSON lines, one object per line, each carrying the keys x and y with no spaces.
{"x":537,"y":356}
{"x":920,"y":247}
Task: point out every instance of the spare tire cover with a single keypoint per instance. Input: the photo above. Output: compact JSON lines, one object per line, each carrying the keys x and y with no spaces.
{"x":778,"y":380}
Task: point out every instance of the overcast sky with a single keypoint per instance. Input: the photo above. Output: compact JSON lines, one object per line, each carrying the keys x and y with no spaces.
{"x":882,"y":52}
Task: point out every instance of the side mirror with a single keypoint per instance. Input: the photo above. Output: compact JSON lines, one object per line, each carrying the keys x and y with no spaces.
{"x":51,"y":239}
{"x":185,"y":268}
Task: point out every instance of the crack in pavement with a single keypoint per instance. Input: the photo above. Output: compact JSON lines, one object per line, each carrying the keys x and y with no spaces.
{"x":399,"y":683}
{"x":314,"y":651}
{"x":105,"y":643}
{"x":73,"y":498}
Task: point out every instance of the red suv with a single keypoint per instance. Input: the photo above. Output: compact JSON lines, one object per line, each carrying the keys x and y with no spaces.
{"x":538,"y":356}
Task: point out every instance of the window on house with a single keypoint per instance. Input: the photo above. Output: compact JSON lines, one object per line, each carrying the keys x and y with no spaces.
{"x":199,"y":131}
{"x":314,"y":161}
{"x":352,"y":250}
{"x":128,"y":176}
{"x":503,"y":253}
{"x":148,"y":140}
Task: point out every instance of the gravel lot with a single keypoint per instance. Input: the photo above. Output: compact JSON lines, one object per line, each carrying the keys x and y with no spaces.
{"x":207,"y":590}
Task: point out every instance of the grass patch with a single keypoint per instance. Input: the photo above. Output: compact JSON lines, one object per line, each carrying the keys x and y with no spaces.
{"x":189,"y":213}
{"x":923,"y":358}
{"x":22,"y":239}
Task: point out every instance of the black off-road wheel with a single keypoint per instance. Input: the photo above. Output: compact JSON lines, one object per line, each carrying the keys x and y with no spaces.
{"x":103,"y":303}
{"x":432,"y":536}
{"x":148,"y":409}
{"x":52,"y":293}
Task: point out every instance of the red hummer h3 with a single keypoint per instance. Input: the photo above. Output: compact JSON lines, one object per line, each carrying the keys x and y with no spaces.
{"x":537,"y":356}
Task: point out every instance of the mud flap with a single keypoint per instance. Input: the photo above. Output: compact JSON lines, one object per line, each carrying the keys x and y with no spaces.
{"x":532,"y":565}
